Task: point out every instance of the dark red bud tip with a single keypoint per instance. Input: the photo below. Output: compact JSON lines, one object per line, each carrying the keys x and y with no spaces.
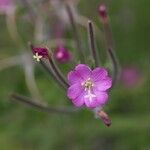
{"x":104,"y":117}
{"x":103,"y":12}
{"x":42,"y":51}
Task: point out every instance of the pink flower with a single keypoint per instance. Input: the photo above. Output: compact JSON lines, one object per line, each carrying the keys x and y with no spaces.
{"x":6,"y":6}
{"x":61,"y":54}
{"x":130,"y":76}
{"x":88,"y":87}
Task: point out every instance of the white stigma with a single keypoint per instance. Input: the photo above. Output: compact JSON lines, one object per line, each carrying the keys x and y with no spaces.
{"x":89,"y":95}
{"x":88,"y":84}
{"x":37,"y":57}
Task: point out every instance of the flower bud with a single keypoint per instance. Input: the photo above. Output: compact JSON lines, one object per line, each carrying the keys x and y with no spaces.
{"x":103,"y":13}
{"x":99,"y":113}
{"x":61,"y":54}
{"x":39,"y":52}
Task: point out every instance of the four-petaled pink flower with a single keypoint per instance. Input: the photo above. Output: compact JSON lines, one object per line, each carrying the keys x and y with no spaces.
{"x":61,"y":54}
{"x":88,"y":87}
{"x":6,"y":6}
{"x":130,"y":76}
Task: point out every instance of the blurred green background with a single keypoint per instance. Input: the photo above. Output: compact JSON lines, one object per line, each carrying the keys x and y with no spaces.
{"x":23,"y":128}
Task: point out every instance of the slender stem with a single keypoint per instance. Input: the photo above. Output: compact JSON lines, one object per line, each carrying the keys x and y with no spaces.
{"x":111,"y":52}
{"x":92,"y":43}
{"x":109,"y":43}
{"x":49,"y":70}
{"x":40,"y":106}
{"x":116,"y":68}
{"x":75,"y":32}
{"x":57,"y":71}
{"x":108,"y":34}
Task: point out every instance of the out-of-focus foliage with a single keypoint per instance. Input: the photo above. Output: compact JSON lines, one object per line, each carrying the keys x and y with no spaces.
{"x":22,"y":128}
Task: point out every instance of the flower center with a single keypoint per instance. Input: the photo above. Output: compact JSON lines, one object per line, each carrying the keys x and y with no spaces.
{"x":88,"y":84}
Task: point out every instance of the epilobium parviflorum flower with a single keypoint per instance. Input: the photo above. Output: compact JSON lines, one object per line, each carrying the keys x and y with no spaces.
{"x":88,"y":84}
{"x":61,"y":54}
{"x":88,"y":87}
{"x":130,"y":76}
{"x":6,"y":6}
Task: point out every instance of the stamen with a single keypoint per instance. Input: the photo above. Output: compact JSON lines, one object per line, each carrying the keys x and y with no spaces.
{"x":87,"y":84}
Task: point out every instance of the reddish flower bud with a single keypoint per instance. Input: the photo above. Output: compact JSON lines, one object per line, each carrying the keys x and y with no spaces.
{"x":103,"y":12}
{"x":130,"y":76}
{"x":99,"y":113}
{"x":39,"y":52}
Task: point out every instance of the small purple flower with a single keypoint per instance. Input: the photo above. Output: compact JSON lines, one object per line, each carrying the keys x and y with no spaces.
{"x":39,"y":52}
{"x":61,"y":54}
{"x":130,"y":76}
{"x":88,"y":87}
{"x":6,"y":6}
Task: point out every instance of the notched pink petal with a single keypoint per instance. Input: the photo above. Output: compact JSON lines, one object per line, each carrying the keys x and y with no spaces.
{"x":91,"y":103}
{"x":99,"y":74}
{"x":104,"y":84}
{"x":102,"y":97}
{"x":83,"y":71}
{"x":73,"y":78}
{"x":74,"y":91}
{"x":79,"y":101}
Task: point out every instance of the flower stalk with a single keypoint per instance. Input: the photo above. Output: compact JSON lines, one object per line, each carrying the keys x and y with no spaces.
{"x":92,"y":43}
{"x":40,"y":106}
{"x":52,"y":74}
{"x":57,"y":71}
{"x":75,"y":32}
{"x":109,"y":42}
{"x":115,"y":65}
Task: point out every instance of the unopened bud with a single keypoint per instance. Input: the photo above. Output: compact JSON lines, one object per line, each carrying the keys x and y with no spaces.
{"x":39,"y":52}
{"x":104,"y":117}
{"x":103,"y":12}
